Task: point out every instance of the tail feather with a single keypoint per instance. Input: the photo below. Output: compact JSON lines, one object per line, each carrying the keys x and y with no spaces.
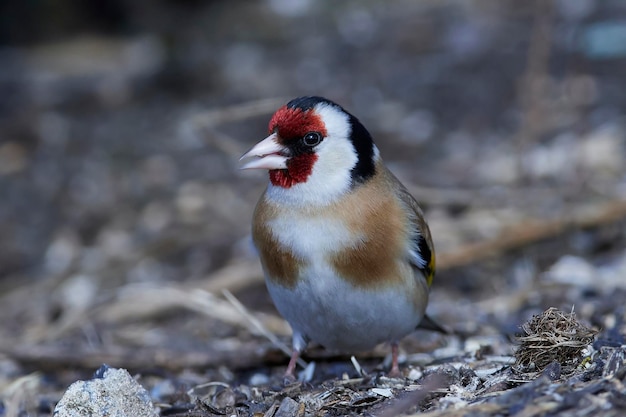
{"x":428,"y":323}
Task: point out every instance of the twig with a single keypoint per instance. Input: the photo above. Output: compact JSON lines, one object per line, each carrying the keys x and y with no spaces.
{"x":233,"y":277}
{"x":209,"y":121}
{"x":526,"y":233}
{"x":215,"y":117}
{"x":400,"y":406}
{"x":255,"y":324}
{"x":53,"y":358}
{"x":150,"y":301}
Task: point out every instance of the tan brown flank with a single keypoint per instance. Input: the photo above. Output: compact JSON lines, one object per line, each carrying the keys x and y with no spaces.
{"x":372,"y":211}
{"x":280,"y":265}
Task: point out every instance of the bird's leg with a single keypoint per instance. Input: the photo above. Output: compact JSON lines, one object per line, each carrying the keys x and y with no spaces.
{"x":395,"y":369}
{"x":290,"y":375}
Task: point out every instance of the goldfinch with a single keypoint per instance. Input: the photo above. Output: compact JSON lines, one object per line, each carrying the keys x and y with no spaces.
{"x":347,"y":255}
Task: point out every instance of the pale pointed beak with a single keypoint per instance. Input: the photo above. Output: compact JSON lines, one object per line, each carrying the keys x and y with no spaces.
{"x":269,"y":153}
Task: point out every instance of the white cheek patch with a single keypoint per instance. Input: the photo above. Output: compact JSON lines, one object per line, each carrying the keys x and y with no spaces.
{"x":335,"y":121}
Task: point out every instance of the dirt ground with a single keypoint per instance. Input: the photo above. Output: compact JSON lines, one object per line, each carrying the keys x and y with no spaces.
{"x":125,"y":222}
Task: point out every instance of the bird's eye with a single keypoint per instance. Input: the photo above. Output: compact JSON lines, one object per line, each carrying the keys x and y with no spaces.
{"x":312,"y":138}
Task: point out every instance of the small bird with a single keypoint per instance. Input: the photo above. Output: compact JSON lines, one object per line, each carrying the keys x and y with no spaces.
{"x":347,"y":255}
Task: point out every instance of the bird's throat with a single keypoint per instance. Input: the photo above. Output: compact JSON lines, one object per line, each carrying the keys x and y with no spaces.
{"x":299,"y":168}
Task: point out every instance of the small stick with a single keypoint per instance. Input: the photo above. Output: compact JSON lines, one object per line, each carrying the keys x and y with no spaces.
{"x":258,"y":326}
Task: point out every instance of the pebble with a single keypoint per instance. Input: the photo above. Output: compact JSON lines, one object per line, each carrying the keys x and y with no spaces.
{"x":113,"y":393}
{"x":571,"y":269}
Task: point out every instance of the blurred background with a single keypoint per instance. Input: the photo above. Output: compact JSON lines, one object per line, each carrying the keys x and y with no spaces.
{"x":121,"y":124}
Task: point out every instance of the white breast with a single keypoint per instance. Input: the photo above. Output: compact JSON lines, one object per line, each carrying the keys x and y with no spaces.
{"x":311,"y":237}
{"x":329,"y":309}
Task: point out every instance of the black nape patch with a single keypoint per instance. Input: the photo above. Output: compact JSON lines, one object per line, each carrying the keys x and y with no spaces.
{"x":365,"y":167}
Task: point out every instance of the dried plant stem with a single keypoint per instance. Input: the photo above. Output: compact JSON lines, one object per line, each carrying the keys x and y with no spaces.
{"x":257,"y":326}
{"x":530,"y":232}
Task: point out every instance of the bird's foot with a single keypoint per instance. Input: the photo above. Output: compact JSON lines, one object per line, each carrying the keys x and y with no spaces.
{"x":394,"y":372}
{"x":290,"y":373}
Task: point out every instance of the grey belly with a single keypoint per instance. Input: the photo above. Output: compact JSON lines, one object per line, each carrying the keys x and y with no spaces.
{"x":338,"y":316}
